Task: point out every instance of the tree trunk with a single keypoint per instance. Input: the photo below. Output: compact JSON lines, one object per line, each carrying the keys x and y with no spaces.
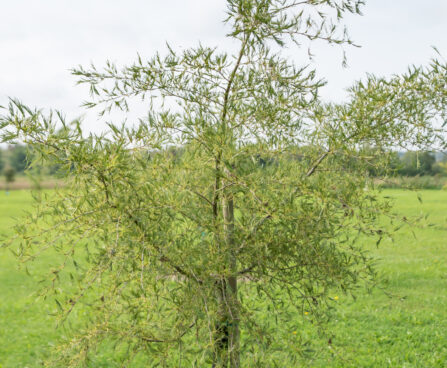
{"x":231,"y":284}
{"x":227,"y":330}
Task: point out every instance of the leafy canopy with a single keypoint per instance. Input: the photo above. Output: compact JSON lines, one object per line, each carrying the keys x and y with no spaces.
{"x":239,"y":193}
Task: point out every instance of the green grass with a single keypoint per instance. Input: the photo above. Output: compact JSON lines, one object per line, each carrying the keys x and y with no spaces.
{"x":404,"y":327}
{"x":26,"y":329}
{"x":408,"y":328}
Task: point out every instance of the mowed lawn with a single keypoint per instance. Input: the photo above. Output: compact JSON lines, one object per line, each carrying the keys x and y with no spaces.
{"x":27,"y":331}
{"x":404,"y":325}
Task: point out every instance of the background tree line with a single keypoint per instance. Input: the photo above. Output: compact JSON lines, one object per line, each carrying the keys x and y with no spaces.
{"x":394,"y":163}
{"x":17,"y":158}
{"x":409,"y":163}
{"x":419,"y":163}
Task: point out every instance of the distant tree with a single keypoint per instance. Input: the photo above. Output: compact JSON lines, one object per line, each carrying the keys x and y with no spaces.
{"x":442,"y":168}
{"x":185,"y":251}
{"x":10,"y":175}
{"x":18,"y":158}
{"x":417,"y":163}
{"x":2,"y":160}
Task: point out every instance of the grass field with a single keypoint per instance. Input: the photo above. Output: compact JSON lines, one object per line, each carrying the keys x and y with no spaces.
{"x":404,"y":327}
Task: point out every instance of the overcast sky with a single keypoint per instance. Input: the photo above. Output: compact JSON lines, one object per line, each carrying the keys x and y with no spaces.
{"x":41,"y":40}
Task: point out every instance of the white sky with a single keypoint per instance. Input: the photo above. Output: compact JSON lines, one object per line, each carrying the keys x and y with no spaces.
{"x":41,"y":40}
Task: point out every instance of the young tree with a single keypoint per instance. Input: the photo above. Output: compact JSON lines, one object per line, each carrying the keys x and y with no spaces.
{"x":186,"y":251}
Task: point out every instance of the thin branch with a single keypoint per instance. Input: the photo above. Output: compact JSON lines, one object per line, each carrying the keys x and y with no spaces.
{"x":317,"y":163}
